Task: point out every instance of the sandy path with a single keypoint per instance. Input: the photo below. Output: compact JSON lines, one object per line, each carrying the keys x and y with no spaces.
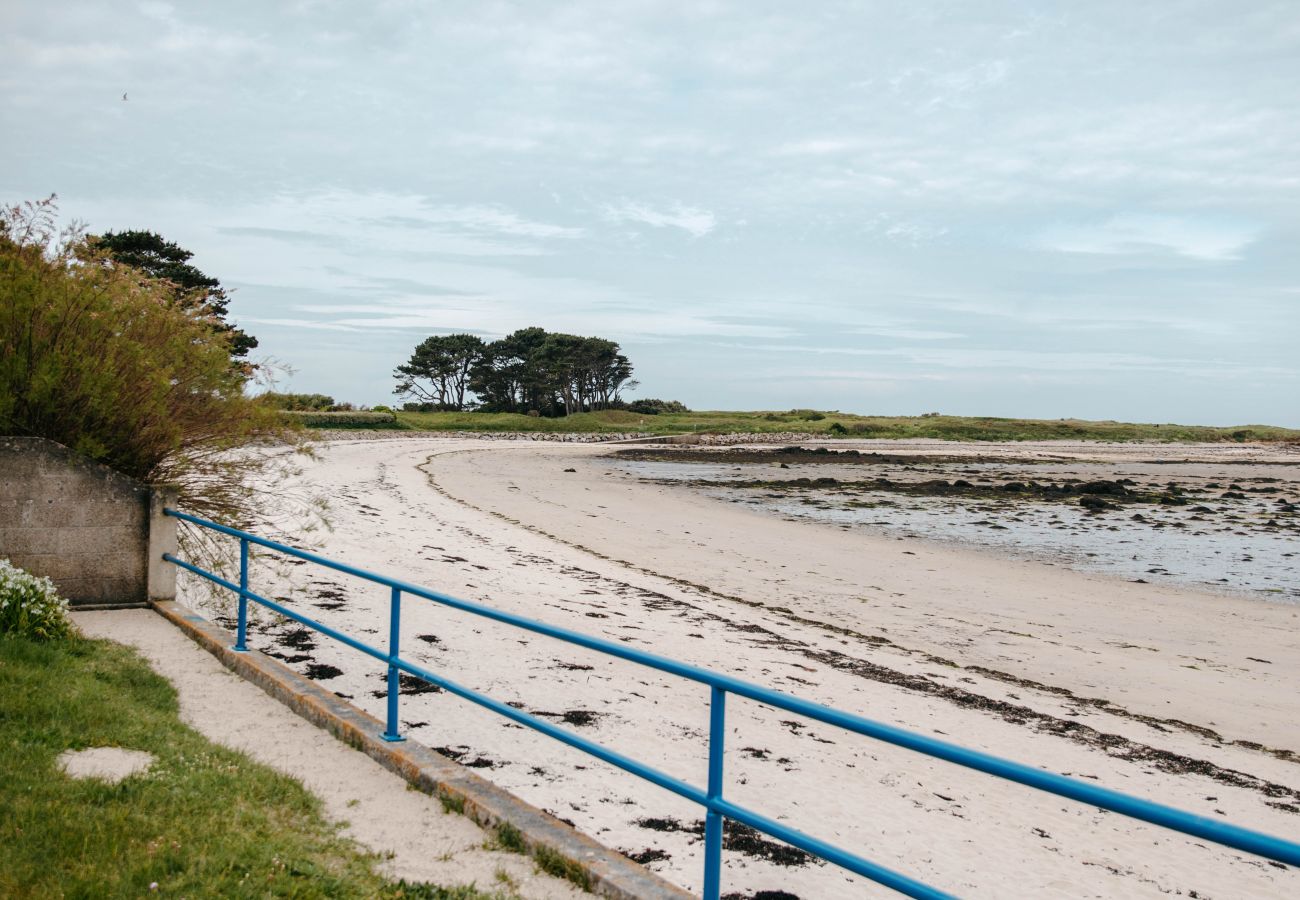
{"x":941,"y":642}
{"x":425,"y":843}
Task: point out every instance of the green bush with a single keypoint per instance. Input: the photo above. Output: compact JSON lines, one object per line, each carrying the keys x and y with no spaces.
{"x":652,"y":406}
{"x":102,"y":359}
{"x":30,"y":606}
{"x":277,"y":400}
{"x":356,"y":419}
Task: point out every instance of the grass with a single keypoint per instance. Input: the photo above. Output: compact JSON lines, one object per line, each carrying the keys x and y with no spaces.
{"x":963,"y":428}
{"x":555,"y":863}
{"x":204,"y":821}
{"x":550,"y":861}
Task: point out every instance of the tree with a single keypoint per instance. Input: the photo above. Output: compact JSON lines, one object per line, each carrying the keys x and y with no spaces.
{"x":192,"y":290}
{"x":507,"y":376}
{"x":529,"y":370}
{"x":439,"y":370}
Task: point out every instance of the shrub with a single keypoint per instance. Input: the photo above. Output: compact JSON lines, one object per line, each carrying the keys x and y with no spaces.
{"x":808,"y":415}
{"x":332,"y":419}
{"x":868,"y":428}
{"x":652,"y":407}
{"x":277,"y":400}
{"x":100,"y":358}
{"x":837,"y":428}
{"x":30,"y":606}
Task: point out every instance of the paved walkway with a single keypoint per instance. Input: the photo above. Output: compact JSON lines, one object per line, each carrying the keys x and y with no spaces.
{"x":423,"y":842}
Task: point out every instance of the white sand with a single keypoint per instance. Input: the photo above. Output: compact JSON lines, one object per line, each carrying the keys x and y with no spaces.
{"x":382,"y":814}
{"x":802,"y":608}
{"x":111,"y":764}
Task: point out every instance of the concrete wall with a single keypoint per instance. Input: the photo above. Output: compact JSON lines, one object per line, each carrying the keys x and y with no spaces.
{"x":96,"y":533}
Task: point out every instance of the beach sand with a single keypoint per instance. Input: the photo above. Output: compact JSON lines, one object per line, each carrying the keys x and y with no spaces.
{"x":1177,"y":695}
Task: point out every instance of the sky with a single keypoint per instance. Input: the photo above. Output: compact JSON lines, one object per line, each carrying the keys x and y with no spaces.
{"x":1012,"y":209}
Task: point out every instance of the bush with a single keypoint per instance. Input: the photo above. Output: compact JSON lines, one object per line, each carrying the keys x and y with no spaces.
{"x":30,"y":606}
{"x":100,"y":358}
{"x":808,"y":415}
{"x":653,"y":407}
{"x":277,"y":400}
{"x":868,"y":428}
{"x":358,"y":419}
{"x":837,"y":428}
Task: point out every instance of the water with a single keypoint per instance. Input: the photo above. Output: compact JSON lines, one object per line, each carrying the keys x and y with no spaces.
{"x":1231,"y":548}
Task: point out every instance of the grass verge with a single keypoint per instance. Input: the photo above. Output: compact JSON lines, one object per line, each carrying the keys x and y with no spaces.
{"x":203,"y":821}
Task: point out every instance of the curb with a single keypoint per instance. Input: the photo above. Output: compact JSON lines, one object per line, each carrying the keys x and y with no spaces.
{"x":557,"y":848}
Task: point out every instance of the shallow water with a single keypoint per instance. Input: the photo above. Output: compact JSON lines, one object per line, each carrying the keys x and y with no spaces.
{"x":1230,"y":550}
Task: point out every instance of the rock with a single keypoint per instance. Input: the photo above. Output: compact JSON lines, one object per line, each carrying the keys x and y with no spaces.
{"x":1104,"y":488}
{"x":110,"y":764}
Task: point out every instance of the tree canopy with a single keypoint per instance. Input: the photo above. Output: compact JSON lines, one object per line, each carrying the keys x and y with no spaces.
{"x":192,"y":290}
{"x":438,"y":371}
{"x":529,"y":370}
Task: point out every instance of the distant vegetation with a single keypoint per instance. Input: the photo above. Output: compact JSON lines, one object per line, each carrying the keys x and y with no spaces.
{"x":529,"y":371}
{"x":343,"y":418}
{"x":837,"y":424}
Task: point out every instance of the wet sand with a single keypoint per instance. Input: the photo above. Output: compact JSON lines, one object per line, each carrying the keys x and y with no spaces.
{"x":1190,"y":520}
{"x":1172,"y":693}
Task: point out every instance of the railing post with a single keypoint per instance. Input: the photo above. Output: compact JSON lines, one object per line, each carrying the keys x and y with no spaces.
{"x":713,"y":820}
{"x":394,"y":632}
{"x":241,"y":635}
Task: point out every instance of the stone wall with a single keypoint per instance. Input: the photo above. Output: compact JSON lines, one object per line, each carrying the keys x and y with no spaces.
{"x":96,"y":533}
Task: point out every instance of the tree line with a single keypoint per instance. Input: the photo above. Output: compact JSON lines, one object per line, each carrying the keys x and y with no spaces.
{"x":530,"y":371}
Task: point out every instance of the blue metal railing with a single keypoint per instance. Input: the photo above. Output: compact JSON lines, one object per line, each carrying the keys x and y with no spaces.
{"x":717,"y":808}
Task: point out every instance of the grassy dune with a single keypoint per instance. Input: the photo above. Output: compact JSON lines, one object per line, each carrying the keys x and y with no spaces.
{"x":964,"y":428}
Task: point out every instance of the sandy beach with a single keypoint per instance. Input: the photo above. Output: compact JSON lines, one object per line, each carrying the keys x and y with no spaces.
{"x":1177,"y":694}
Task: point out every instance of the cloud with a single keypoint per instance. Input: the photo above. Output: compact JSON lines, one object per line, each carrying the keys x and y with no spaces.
{"x":694,"y":221}
{"x":975,"y":359}
{"x":817,"y":147}
{"x":1141,"y":234}
{"x":57,"y":54}
{"x":483,"y":219}
{"x":909,"y":334}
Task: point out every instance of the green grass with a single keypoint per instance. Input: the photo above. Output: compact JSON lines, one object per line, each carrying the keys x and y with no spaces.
{"x":204,"y":821}
{"x":963,"y":428}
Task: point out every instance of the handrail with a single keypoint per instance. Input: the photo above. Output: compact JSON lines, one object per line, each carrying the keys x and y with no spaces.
{"x":717,"y":808}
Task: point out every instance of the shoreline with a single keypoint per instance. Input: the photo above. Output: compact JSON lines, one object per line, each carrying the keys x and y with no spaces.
{"x":703,"y":581}
{"x":1134,"y":515}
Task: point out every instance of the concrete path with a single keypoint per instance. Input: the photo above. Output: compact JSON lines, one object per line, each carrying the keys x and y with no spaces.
{"x":423,"y":842}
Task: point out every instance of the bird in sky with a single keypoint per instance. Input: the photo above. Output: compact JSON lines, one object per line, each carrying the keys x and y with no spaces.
{"x":124,"y":97}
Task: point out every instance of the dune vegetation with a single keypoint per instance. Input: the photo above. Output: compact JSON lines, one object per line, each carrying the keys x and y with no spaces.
{"x":838,"y":424}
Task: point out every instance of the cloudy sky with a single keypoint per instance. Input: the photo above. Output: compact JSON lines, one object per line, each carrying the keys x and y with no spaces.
{"x":1052,"y":209}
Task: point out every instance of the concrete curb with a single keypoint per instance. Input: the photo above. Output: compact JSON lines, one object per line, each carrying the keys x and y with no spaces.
{"x":557,"y":848}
